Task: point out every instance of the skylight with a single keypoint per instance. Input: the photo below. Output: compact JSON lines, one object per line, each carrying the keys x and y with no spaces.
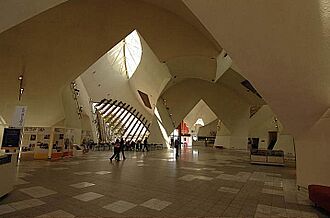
{"x":125,"y":57}
{"x":133,"y":52}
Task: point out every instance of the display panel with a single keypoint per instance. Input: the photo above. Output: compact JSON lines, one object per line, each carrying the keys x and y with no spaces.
{"x":11,"y":137}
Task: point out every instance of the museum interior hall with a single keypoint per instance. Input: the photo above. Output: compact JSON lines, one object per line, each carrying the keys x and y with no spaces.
{"x":164,"y":108}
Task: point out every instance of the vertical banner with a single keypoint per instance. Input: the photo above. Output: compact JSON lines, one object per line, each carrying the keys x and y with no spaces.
{"x":19,"y":117}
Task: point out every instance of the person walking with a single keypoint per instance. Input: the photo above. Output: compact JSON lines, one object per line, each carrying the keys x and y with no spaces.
{"x":176,"y":145}
{"x":145,"y":144}
{"x":122,"y":148}
{"x":116,"y":150}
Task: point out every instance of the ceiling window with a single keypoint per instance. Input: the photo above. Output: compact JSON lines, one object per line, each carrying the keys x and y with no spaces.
{"x":125,"y":57}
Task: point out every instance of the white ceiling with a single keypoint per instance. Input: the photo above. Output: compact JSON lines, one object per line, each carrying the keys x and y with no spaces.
{"x":200,"y":110}
{"x":281,"y":47}
{"x":13,"y":12}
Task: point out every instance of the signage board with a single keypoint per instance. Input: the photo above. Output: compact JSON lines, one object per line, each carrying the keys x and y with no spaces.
{"x":19,"y":117}
{"x":11,"y":137}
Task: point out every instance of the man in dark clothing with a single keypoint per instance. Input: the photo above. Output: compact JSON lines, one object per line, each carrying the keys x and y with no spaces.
{"x":116,"y":150}
{"x":145,"y":144}
{"x":122,"y":148}
{"x":176,"y":145}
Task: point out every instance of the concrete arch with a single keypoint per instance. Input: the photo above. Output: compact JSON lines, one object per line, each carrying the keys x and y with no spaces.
{"x":232,"y":109}
{"x":282,"y":48}
{"x":82,"y":31}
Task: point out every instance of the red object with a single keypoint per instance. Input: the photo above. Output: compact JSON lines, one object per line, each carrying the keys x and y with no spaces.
{"x":184,"y":128}
{"x":320,"y":195}
{"x":57,"y":155}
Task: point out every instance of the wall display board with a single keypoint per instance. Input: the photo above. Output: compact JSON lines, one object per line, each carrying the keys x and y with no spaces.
{"x":11,"y":138}
{"x":64,"y":139}
{"x":58,"y":143}
{"x":35,"y":143}
{"x":69,"y":139}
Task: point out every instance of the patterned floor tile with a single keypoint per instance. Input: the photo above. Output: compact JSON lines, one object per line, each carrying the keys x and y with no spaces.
{"x":37,"y":191}
{"x":89,"y":196}
{"x":156,"y":204}
{"x":120,"y":206}
{"x":57,"y":214}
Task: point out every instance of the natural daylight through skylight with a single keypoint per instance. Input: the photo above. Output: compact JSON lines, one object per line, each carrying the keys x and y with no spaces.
{"x":125,"y":57}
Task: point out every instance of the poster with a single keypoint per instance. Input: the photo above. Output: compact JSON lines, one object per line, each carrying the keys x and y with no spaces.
{"x":11,"y":137}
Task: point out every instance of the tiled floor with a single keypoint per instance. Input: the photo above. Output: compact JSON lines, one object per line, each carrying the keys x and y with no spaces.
{"x":202,"y":182}
{"x":120,"y":206}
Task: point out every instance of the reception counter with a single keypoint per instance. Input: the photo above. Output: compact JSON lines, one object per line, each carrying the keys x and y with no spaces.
{"x":7,"y":172}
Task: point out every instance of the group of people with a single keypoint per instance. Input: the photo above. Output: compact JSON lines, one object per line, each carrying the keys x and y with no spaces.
{"x":120,"y":146}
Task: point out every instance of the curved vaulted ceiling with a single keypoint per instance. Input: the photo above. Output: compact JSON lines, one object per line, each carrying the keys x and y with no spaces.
{"x":224,"y":102}
{"x":56,"y":46}
{"x":13,"y":12}
{"x":281,"y":47}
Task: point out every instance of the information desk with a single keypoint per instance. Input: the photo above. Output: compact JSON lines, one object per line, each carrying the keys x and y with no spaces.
{"x":7,"y":172}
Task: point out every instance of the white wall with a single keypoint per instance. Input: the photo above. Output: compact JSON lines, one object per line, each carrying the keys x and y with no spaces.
{"x":156,"y":136}
{"x":102,"y":81}
{"x":150,"y":77}
{"x":223,"y":64}
{"x":165,"y":117}
{"x":84,"y":101}
{"x":223,"y":135}
{"x":70,"y":110}
{"x":313,"y":154}
{"x":269,"y":41}
{"x":285,"y":143}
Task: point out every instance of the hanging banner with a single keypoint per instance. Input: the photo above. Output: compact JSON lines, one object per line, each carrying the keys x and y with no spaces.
{"x":19,"y":117}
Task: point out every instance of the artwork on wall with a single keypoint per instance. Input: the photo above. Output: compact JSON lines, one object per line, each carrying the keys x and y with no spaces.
{"x":33,"y":137}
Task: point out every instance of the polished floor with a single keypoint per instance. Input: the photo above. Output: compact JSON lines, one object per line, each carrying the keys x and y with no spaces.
{"x":202,"y":182}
